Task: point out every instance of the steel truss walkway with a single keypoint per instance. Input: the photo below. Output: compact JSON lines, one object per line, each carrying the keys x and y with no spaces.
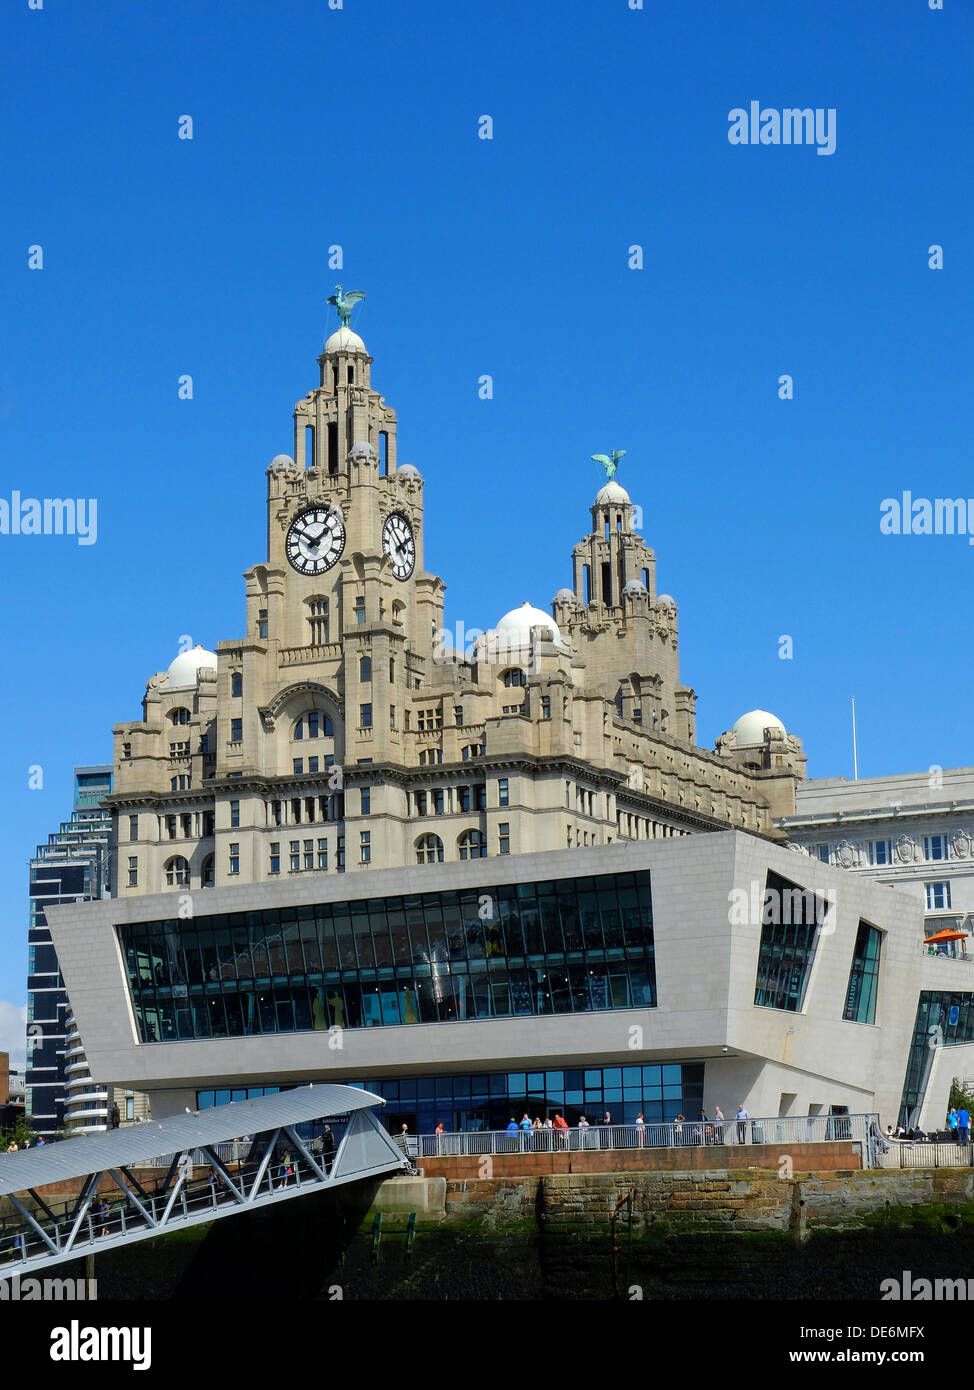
{"x":44,"y":1234}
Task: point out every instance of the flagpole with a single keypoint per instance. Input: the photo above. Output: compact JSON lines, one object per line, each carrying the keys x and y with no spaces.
{"x":855,"y":753}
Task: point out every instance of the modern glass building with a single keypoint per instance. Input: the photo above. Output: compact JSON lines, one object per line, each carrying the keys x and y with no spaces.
{"x":71,"y":867}
{"x":570,"y":945}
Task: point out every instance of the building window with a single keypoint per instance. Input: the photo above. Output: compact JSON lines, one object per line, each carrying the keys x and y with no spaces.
{"x":438,"y":801}
{"x":133,"y":871}
{"x":126,"y":750}
{"x":235,"y":859}
{"x":234,"y":814}
{"x":298,"y":766}
{"x":179,"y":716}
{"x":823,"y":854}
{"x":170,"y":824}
{"x":186,"y":821}
{"x":312,"y":764}
{"x":788,"y":942}
{"x":180,"y":749}
{"x":392,"y":669}
{"x":405,"y":719}
{"x":513,"y":709}
{"x":429,"y":850}
{"x":340,"y":854}
{"x":546,"y":707}
{"x":879,"y":851}
{"x":473,"y":750}
{"x":464,"y":799}
{"x":860,"y":1004}
{"x":177,"y":873}
{"x":366,"y":801}
{"x":365,"y":669}
{"x":365,"y":846}
{"x":472,"y":844}
{"x":204,"y":743}
{"x":295,"y":856}
{"x":313,"y":724}
{"x":360,"y":610}
{"x":514,"y":677}
{"x":322,"y":854}
{"x":935,"y":847}
{"x":502,"y":791}
{"x":262,"y":623}
{"x":420,"y":803}
{"x":938,"y":896}
{"x":182,"y":783}
{"x":309,"y":854}
{"x":133,"y":827}
{"x":392,"y":716}
{"x":458,"y":715}
{"x":480,"y":797}
{"x":207,"y":873}
{"x":365,"y":716}
{"x":503,"y":838}
{"x":236,"y":684}
{"x":236,"y":730}
{"x":428,"y":757}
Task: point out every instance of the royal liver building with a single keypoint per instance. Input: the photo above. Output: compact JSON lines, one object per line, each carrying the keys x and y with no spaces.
{"x":342,"y":731}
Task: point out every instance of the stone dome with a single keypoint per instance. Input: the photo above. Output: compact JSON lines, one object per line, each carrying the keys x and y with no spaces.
{"x":344,"y":340}
{"x":280,"y":462}
{"x":665,"y":601}
{"x":634,"y":586}
{"x":750,"y":727}
{"x":564,"y":596}
{"x":611,"y":494}
{"x":514,"y":629}
{"x":363,"y":450}
{"x":184,"y":670}
{"x":407,"y":470}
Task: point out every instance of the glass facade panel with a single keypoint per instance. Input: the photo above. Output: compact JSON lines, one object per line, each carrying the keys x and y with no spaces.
{"x":571,"y":946}
{"x":790,"y":920}
{"x":864,"y":976}
{"x":944,"y":1018}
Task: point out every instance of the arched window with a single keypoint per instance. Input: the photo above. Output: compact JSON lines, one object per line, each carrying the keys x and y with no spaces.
{"x":179,"y":716}
{"x":236,"y":683}
{"x":429,"y":850}
{"x":177,"y":872}
{"x":365,"y":669}
{"x":313,"y":724}
{"x":472,"y":844}
{"x":317,"y":606}
{"x":206,"y":873}
{"x":514,"y":676}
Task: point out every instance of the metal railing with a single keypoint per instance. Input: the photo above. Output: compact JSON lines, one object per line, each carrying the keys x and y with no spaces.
{"x":727,"y":1133}
{"x":917,"y":1153}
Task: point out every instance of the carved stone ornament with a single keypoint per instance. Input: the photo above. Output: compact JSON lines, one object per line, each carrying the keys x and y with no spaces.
{"x":960,"y":844}
{"x":845,"y":853}
{"x":906,"y":850}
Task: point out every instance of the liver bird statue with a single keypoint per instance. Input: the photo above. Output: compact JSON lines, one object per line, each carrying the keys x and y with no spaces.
{"x":610,"y":462}
{"x":345,"y":303}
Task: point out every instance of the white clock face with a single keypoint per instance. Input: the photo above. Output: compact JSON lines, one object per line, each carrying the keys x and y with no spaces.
{"x":399,"y":544}
{"x":315,"y":540}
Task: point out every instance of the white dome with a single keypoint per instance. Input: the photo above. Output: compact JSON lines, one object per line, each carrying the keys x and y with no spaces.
{"x":344,"y":340}
{"x":564,"y":596}
{"x":514,"y":629}
{"x":610,"y":494}
{"x":184,"y":671}
{"x":634,"y":586}
{"x":751,"y":726}
{"x":665,"y":601}
{"x":407,"y":470}
{"x":280,"y":462}
{"x":363,"y":450}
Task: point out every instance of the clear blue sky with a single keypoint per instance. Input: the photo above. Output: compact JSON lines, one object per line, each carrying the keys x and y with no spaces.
{"x":509,"y":257}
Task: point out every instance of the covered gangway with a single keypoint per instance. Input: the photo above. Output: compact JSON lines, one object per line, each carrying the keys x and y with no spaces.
{"x":252,"y":1150}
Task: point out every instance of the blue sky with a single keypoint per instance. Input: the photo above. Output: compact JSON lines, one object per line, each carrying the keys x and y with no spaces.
{"x":508,"y":257}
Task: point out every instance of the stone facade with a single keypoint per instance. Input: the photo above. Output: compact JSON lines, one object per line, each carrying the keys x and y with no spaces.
{"x":343,"y":731}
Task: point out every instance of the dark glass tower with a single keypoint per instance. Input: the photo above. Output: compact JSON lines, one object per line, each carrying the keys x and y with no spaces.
{"x":72,"y":865}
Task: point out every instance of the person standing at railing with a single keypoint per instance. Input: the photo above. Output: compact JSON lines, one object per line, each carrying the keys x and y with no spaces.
{"x":743,"y":1115}
{"x":952,"y":1124}
{"x":328,"y":1146}
{"x":640,"y":1131}
{"x":583,"y":1129}
{"x":513,"y":1127}
{"x":718,"y":1125}
{"x":561,"y":1124}
{"x":963,"y":1126}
